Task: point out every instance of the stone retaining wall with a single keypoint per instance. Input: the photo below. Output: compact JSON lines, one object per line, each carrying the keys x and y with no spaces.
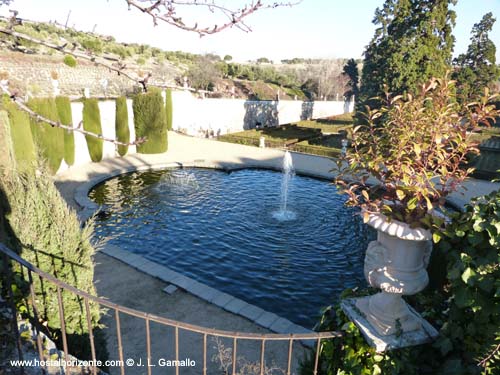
{"x":34,"y":74}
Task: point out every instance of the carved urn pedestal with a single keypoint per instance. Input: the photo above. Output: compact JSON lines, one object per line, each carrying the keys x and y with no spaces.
{"x":395,"y":263}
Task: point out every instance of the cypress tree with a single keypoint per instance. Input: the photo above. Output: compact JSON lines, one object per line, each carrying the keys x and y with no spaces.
{"x":48,"y":138}
{"x":352,"y":72}
{"x":92,"y":123}
{"x":477,"y":69}
{"x":20,"y":132}
{"x":150,"y":122}
{"x":412,"y":43}
{"x":121,"y":124}
{"x":64,"y":109}
{"x":168,"y":107}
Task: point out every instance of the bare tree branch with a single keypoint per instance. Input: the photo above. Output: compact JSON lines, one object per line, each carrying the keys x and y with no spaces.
{"x":163,"y":10}
{"x":117,"y":67}
{"x":484,"y":361}
{"x":167,"y":11}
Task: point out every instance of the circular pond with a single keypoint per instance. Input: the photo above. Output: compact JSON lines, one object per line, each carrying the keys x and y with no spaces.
{"x":222,"y":229}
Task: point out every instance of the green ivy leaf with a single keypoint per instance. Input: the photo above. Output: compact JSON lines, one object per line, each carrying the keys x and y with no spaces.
{"x":436,"y":237}
{"x":467,"y":275}
{"x":478,"y":225}
{"x":412,"y":203}
{"x":376,"y":370}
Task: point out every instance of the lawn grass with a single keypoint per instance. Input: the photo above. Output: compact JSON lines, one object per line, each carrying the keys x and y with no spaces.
{"x":285,"y":133}
{"x":333,"y":124}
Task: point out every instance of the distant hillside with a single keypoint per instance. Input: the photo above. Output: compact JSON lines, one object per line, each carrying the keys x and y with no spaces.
{"x":296,"y":78}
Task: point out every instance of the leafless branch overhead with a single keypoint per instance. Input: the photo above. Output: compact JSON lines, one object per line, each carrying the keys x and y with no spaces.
{"x":117,"y":66}
{"x":168,"y":11}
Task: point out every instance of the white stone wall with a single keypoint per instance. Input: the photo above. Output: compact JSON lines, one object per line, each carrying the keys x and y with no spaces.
{"x":193,"y":116}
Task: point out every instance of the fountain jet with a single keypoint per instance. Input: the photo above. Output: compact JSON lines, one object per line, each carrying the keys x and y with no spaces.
{"x":284,"y":214}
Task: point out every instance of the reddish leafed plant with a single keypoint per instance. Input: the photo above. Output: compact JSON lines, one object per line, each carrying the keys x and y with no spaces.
{"x":412,"y":152}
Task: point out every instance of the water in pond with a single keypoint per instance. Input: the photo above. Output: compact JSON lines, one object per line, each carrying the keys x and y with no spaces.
{"x":220,"y":229}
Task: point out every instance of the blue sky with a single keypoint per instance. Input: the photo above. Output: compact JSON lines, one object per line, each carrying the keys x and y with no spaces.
{"x":314,"y":28}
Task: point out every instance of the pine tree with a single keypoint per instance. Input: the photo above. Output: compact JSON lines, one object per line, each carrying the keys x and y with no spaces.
{"x":477,"y":69}
{"x":412,"y":43}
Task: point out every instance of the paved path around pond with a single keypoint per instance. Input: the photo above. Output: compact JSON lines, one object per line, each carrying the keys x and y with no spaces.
{"x":187,"y":151}
{"x":125,"y":285}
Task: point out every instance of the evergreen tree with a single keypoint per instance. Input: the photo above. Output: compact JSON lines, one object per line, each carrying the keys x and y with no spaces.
{"x":412,"y":43}
{"x":352,"y":72}
{"x":477,"y":69}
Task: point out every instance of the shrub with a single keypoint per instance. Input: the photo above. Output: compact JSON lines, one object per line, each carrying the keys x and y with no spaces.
{"x":466,"y":309}
{"x":413,"y":148}
{"x":92,"y":44}
{"x":69,"y":61}
{"x":121,"y":124}
{"x":49,"y":139}
{"x":471,"y":336}
{"x":92,"y":123}
{"x":150,"y":122}
{"x":47,"y":234}
{"x":351,"y":355}
{"x":169,"y":108}
{"x":20,"y":132}
{"x":65,"y":116}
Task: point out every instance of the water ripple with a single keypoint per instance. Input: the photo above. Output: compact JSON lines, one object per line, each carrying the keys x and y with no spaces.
{"x":219,"y":228}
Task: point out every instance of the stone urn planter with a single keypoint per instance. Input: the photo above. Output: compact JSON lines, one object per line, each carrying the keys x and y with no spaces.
{"x":395,"y":263}
{"x":406,"y":157}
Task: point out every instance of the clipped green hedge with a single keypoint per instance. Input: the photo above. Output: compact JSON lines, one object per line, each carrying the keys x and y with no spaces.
{"x":64,"y":109}
{"x":49,"y":139}
{"x":169,"y":108}
{"x":150,"y":122}
{"x":92,"y":123}
{"x":121,"y":124}
{"x":20,"y":132}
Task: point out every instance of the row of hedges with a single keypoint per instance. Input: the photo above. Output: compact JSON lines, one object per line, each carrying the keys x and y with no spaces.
{"x":294,"y":146}
{"x":30,"y":136}
{"x":152,"y":119}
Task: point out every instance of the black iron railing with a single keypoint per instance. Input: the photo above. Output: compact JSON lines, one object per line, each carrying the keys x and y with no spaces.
{"x":10,"y":256}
